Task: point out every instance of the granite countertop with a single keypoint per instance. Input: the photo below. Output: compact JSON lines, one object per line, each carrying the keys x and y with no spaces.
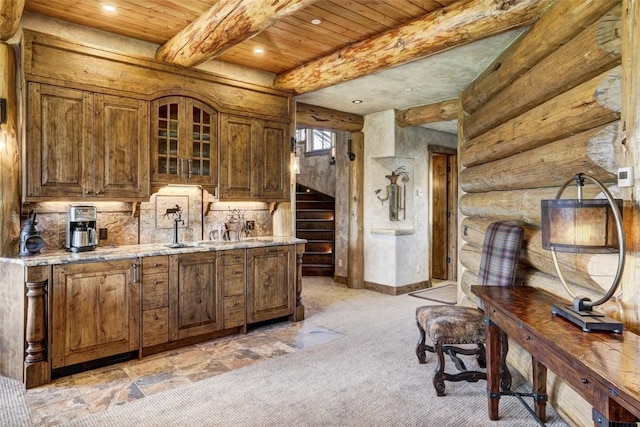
{"x":108,"y":253}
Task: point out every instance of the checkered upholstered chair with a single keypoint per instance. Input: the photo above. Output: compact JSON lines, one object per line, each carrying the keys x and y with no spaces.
{"x":449,"y":326}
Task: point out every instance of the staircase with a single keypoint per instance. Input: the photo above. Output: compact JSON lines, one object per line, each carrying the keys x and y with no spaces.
{"x":314,"y":222}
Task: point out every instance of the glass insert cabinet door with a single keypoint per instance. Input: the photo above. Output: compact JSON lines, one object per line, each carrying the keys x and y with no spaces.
{"x":185,"y":132}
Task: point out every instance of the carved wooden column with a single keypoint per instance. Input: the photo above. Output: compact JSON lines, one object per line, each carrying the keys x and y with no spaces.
{"x":36,"y":365}
{"x":299,"y":310}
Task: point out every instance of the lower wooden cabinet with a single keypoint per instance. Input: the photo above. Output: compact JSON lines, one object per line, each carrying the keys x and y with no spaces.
{"x":232,"y":275}
{"x":95,"y":311}
{"x":270,"y":282}
{"x":155,"y":300}
{"x":195,"y":298}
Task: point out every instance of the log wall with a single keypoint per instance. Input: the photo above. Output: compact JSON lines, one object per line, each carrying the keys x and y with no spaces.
{"x":549,"y":107}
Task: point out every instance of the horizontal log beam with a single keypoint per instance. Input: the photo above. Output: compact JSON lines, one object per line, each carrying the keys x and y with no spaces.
{"x":559,"y":24}
{"x":590,"y":53}
{"x":312,"y":116}
{"x":10,"y":15}
{"x":589,"y":105}
{"x":522,"y":205}
{"x":432,"y":113}
{"x":460,"y":23}
{"x":226,"y":24}
{"x":595,"y":152}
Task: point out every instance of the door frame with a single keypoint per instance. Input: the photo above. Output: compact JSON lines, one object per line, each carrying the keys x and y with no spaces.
{"x":452,"y":209}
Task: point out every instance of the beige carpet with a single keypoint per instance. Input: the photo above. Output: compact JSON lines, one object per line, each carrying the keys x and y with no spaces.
{"x":370,"y":377}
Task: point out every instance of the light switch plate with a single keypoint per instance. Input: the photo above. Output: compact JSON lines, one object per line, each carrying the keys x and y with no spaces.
{"x":625,"y":177}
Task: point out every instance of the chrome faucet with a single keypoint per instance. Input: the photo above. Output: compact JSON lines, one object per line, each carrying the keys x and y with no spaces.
{"x":177,"y":218}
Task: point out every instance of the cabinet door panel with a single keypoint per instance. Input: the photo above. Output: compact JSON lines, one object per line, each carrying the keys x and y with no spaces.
{"x":95,"y":312}
{"x":235,"y":157}
{"x":196,"y":299}
{"x":272,"y":157}
{"x":59,"y":129}
{"x":270,"y":290}
{"x":203,"y":137}
{"x":121,"y":148}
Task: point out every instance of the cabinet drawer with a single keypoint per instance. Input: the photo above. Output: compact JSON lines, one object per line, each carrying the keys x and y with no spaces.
{"x":232,"y":257}
{"x":233,"y":281}
{"x":155,"y":326}
{"x":155,"y":264}
{"x":234,"y":312}
{"x":155,"y":291}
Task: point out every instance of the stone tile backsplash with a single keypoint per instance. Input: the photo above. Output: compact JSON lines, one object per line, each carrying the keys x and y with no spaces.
{"x":130,"y":224}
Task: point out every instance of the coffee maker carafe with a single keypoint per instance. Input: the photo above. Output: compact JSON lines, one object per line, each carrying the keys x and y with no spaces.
{"x":81,"y":228}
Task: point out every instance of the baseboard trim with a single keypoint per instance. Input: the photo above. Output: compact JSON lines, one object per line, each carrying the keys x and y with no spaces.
{"x":340,"y":279}
{"x":397,"y":290}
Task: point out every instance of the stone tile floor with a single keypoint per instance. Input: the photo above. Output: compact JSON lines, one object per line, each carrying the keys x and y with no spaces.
{"x":88,"y":392}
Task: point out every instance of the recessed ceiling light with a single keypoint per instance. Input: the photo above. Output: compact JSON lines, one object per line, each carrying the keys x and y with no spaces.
{"x":357,"y":101}
{"x":109,"y":7}
{"x":258,"y":50}
{"x":407,"y":89}
{"x":316,"y":21}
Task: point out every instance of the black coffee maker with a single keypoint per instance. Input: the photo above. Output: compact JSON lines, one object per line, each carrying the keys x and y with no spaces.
{"x":30,"y":240}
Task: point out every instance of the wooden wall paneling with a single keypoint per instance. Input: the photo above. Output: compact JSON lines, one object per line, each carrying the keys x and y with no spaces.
{"x":590,"y":53}
{"x":592,"y":152}
{"x":9,"y":156}
{"x":561,"y":22}
{"x":589,"y":105}
{"x":629,"y":303}
{"x":12,"y":319}
{"x":356,"y":214}
{"x":54,"y":60}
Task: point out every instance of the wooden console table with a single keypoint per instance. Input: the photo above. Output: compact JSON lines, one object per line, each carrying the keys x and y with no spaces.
{"x":602,"y":367}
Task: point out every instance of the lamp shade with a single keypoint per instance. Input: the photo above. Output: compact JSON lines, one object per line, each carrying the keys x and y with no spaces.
{"x":579,"y":226}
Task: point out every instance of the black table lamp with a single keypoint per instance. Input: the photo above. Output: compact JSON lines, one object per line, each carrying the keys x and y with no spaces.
{"x":584,"y":226}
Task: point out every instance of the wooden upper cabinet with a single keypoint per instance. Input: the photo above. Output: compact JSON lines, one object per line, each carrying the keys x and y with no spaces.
{"x":184,"y":145}
{"x":59,"y":141}
{"x":82,"y":145}
{"x":254,"y":159}
{"x":121,"y":151}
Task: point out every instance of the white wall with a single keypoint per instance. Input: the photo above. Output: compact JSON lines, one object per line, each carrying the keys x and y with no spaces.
{"x":397,"y":252}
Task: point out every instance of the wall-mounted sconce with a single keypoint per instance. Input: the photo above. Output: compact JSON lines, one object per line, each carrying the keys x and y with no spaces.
{"x":352,"y":155}
{"x":296,"y":159}
{"x":584,"y":226}
{"x":332,"y":160}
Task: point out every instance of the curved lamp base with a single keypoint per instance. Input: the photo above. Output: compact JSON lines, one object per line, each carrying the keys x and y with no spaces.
{"x":589,"y":321}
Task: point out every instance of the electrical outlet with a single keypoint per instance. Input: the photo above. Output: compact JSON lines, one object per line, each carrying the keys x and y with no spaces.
{"x":102,"y":234}
{"x":340,"y":262}
{"x":418,"y":268}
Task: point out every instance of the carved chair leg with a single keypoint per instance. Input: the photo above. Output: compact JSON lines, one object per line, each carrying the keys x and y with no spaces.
{"x":438,"y":375}
{"x":421,"y":347}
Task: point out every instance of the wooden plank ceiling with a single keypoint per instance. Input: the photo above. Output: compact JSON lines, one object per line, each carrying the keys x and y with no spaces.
{"x":292,"y":41}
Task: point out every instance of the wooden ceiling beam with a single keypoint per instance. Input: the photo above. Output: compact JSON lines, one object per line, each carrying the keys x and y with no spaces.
{"x":10,"y":15}
{"x":312,"y":116}
{"x":432,"y":113}
{"x":226,"y":24}
{"x":460,"y":23}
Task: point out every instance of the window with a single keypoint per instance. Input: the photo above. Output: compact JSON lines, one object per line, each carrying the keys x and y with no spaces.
{"x":316,"y":140}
